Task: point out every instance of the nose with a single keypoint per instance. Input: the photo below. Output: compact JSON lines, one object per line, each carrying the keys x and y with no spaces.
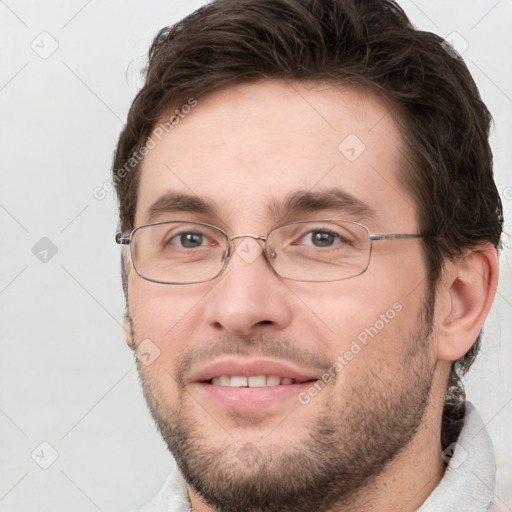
{"x":249,"y":297}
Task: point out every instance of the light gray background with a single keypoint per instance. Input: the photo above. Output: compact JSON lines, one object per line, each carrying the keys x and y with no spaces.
{"x":67,"y":377}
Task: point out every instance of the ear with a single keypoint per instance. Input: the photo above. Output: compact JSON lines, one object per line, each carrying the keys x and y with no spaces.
{"x":465,"y":295}
{"x":128,"y":329}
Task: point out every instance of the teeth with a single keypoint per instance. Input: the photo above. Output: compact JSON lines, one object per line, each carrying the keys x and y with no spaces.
{"x":238,"y":382}
{"x":255,"y":381}
{"x":273,"y":380}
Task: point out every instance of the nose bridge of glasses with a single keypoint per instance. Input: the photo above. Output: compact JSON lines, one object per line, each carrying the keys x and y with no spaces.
{"x":248,"y":251}
{"x":257,"y":240}
{"x":250,"y":235}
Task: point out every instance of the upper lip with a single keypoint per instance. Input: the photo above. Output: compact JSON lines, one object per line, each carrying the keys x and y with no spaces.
{"x":252,"y":367}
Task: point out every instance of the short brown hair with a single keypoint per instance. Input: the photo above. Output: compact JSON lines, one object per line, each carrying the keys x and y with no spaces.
{"x":370,"y":44}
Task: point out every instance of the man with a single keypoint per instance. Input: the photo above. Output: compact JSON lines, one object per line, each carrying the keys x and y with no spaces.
{"x":311,"y":227}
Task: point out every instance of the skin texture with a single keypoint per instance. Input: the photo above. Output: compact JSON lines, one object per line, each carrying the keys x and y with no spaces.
{"x":357,"y":444}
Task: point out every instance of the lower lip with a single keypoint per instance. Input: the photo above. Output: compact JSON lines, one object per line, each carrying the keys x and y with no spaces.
{"x":247,"y":400}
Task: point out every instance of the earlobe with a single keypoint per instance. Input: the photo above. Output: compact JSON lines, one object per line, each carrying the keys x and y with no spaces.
{"x":466,"y":292}
{"x":128,"y":329}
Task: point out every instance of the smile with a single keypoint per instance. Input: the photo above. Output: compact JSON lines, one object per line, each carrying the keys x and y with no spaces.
{"x":254,"y":381}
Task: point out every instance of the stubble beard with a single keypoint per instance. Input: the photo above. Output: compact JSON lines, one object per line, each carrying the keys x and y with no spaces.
{"x":343,"y":450}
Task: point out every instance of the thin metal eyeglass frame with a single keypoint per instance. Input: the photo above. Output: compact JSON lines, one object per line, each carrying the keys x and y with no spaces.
{"x":126,"y":240}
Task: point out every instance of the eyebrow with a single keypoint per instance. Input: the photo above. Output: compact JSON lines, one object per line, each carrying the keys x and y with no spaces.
{"x":178,"y":202}
{"x":300,"y":202}
{"x":304,"y":202}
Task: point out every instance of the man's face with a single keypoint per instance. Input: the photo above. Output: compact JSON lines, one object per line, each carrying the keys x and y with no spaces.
{"x":241,"y":150}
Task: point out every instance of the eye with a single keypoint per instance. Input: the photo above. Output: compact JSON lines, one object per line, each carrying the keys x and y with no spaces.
{"x":188,"y":240}
{"x":321,"y":238}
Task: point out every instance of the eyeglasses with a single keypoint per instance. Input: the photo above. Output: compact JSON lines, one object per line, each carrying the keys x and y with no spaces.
{"x":183,"y":252}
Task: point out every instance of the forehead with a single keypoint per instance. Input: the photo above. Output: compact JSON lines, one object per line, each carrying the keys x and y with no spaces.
{"x":248,"y":149}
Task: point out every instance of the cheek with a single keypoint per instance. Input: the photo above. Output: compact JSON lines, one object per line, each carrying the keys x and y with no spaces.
{"x":363,"y":318}
{"x":345,"y":308}
{"x":163,"y":314}
{"x":377,"y":353}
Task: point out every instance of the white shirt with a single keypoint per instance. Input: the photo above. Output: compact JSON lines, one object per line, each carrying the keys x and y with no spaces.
{"x":467,"y":485}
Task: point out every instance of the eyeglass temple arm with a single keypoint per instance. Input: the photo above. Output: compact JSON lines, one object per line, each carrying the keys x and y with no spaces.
{"x":123,"y":240}
{"x":397,"y":237}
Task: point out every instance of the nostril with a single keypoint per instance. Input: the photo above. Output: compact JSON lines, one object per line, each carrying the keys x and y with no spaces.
{"x":265,"y":322}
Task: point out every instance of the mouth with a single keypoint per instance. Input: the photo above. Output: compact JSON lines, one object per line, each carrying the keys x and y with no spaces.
{"x":254,"y":381}
{"x":249,"y":386}
{"x":242,"y":372}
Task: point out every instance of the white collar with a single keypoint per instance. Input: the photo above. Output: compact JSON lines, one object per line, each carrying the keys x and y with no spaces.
{"x":470,"y":478}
